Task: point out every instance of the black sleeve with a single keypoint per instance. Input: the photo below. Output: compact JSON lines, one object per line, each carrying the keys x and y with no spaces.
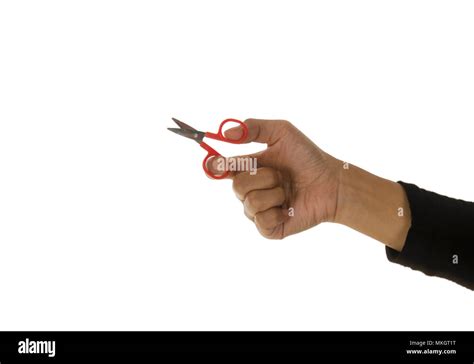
{"x":440,"y":241}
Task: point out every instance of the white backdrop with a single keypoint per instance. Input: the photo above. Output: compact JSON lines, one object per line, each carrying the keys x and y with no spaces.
{"x":106,"y":218}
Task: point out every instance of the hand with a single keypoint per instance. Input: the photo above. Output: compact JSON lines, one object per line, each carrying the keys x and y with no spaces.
{"x":296,"y":184}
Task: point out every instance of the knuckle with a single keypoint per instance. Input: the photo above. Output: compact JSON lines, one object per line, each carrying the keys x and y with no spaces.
{"x":238,"y":185}
{"x":287,"y":127}
{"x":248,"y":215}
{"x":252,"y":201}
{"x":269,"y":234}
{"x":268,"y":220}
{"x":264,"y":222}
{"x":260,"y":220}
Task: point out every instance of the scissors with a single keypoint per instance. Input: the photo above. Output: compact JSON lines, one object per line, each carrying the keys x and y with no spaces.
{"x":198,"y":136}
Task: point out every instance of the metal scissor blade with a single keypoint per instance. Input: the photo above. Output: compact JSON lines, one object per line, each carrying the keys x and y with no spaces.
{"x":191,"y":134}
{"x":183,"y":125}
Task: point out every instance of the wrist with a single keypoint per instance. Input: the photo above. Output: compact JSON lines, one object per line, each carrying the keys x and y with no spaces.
{"x":373,"y":206}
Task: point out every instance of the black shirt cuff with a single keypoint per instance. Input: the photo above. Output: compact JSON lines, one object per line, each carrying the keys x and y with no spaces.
{"x":440,"y":241}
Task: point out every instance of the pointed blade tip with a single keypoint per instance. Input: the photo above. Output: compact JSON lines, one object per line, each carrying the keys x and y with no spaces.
{"x":183,"y":126}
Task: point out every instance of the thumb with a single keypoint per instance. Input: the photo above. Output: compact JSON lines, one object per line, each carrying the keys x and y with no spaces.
{"x":260,"y":130}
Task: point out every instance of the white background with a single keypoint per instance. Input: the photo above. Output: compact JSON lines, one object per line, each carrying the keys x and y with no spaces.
{"x":106,"y":218}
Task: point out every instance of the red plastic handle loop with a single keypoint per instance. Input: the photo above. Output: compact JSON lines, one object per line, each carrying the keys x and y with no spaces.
{"x":211,"y":153}
{"x":220,"y":134}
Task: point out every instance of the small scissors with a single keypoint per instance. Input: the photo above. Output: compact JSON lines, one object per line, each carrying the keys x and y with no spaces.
{"x":198,"y":136}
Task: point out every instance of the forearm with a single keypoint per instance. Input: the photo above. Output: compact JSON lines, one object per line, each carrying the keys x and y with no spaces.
{"x":373,"y":206}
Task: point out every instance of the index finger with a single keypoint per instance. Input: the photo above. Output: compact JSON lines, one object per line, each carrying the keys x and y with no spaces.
{"x":233,"y":165}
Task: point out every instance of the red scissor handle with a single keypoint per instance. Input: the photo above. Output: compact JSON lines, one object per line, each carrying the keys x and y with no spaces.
{"x":220,"y":135}
{"x":211,"y":153}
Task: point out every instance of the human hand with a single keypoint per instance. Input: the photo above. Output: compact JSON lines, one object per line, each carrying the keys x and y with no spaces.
{"x":296,"y":184}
